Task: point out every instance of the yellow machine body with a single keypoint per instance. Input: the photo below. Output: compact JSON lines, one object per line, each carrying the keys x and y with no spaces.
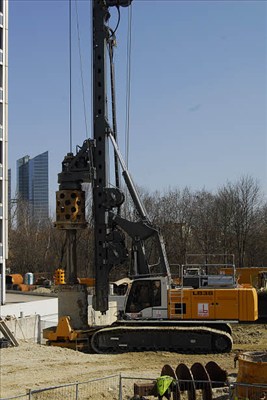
{"x":152,"y":299}
{"x":63,"y":331}
{"x":213,"y":304}
{"x":63,"y":335}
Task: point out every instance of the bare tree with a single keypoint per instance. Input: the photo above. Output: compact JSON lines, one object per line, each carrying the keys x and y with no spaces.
{"x":234,"y":220}
{"x":204,"y":225}
{"x":239,"y":210}
{"x":175,"y":217}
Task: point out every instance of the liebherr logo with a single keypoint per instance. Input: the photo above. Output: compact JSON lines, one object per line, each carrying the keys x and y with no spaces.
{"x":203,"y":309}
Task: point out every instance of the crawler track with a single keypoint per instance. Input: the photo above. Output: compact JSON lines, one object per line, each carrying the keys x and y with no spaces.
{"x":192,"y":339}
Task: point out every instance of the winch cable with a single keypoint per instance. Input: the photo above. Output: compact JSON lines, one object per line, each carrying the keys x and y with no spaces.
{"x":114,"y":116}
{"x":82,"y":76}
{"x":111,"y":43}
{"x":128,"y":85}
{"x":70,"y":80}
{"x":62,"y":250}
{"x":81,"y":69}
{"x":128,"y":96}
{"x":92,"y":67}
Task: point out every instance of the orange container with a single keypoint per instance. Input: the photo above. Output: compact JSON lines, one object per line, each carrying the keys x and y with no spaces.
{"x":14,"y":279}
{"x":87,"y":281}
{"x":252,"y":368}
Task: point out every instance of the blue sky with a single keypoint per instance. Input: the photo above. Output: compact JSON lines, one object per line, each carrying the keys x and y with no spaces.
{"x":198,"y":88}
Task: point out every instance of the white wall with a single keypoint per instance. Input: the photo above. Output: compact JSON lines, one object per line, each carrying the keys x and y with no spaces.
{"x":25,"y":328}
{"x":44,"y":308}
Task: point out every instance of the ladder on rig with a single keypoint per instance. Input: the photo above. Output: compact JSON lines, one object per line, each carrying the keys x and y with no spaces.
{"x":6,"y":332}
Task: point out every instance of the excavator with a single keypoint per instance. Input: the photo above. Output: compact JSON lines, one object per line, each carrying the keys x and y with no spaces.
{"x":159,"y":314}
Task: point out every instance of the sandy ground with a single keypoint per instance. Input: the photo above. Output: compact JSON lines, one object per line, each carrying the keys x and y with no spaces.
{"x":38,"y":366}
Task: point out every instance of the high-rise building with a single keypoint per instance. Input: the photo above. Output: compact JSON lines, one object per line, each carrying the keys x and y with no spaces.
{"x":38,"y":186}
{"x":3,"y":146}
{"x":32,"y":186}
{"x":23,"y":178}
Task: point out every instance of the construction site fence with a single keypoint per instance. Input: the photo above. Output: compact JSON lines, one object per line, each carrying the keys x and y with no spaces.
{"x":244,"y":391}
{"x":118,"y":387}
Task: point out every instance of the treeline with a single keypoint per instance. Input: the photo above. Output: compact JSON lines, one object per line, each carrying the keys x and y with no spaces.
{"x":231,"y":221}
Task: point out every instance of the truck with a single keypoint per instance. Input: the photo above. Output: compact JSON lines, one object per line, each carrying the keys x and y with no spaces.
{"x":159,"y":314}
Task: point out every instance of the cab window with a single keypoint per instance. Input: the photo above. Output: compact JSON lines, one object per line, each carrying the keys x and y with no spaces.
{"x":144,"y":294}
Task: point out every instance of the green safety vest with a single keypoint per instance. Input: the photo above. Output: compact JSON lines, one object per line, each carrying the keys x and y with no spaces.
{"x":163,"y":384}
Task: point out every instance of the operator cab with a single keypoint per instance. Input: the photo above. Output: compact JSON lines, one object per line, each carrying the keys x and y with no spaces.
{"x":147,"y":298}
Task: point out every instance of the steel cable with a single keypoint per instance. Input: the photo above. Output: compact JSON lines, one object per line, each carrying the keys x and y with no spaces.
{"x":81,"y":68}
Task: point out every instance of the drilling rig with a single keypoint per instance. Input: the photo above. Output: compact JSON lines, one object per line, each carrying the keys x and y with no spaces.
{"x":158,"y":315}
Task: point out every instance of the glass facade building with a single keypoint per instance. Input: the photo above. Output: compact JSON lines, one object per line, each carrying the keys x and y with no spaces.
{"x":3,"y":146}
{"x":23,"y":178}
{"x":38,"y":186}
{"x":32,"y":185}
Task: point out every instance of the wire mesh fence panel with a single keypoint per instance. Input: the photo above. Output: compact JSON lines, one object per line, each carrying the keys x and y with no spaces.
{"x":106,"y":388}
{"x":21,"y":397}
{"x":118,"y":387}
{"x":243,"y":391}
{"x":54,"y":393}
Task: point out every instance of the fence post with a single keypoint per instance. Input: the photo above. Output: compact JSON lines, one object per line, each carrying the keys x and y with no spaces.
{"x":39,"y":329}
{"x":120,"y":387}
{"x":30,"y":394}
{"x":77,"y":391}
